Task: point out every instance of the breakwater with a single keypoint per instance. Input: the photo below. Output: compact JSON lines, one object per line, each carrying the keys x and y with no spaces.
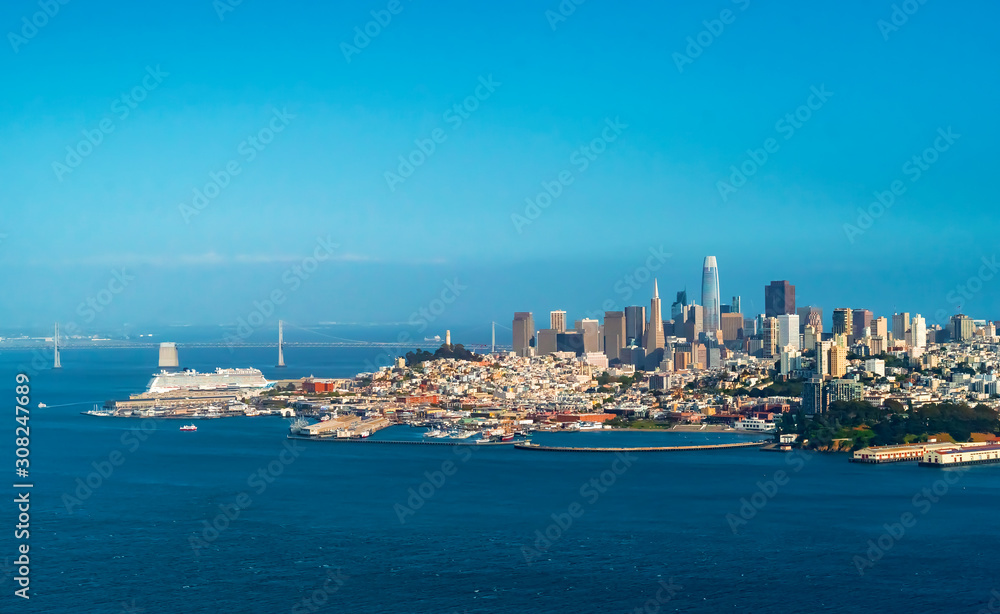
{"x":719,"y":446}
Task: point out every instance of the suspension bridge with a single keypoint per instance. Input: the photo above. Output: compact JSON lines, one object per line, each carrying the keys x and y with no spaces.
{"x":57,"y":344}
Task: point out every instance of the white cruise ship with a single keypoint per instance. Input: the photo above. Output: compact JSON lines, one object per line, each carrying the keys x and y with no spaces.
{"x":222,"y":379}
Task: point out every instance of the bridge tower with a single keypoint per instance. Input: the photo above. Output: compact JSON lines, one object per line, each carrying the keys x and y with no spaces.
{"x":56,"y":364}
{"x":168,"y":356}
{"x":493,"y":343}
{"x":281,"y":341}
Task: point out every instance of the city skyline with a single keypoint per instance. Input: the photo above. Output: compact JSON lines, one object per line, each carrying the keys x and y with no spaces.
{"x":476,"y":304}
{"x":780,"y":302}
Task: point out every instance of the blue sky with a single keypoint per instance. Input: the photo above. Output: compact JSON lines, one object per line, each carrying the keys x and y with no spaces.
{"x":345,"y":124}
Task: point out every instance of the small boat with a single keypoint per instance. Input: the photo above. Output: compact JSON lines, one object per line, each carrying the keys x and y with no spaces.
{"x":42,"y":405}
{"x":189,"y":427}
{"x":507,"y":437}
{"x":325,"y":418}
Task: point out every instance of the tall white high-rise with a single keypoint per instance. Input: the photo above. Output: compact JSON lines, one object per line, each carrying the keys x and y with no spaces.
{"x":788,"y":331}
{"x":557,"y":321}
{"x":710,"y":295}
{"x":918,"y":331}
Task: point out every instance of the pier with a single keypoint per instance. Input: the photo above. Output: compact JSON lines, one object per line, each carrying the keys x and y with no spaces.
{"x":718,"y":446}
{"x":470,"y":444}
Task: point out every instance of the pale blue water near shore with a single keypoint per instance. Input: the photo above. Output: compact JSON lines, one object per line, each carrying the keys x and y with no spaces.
{"x":661,"y":521}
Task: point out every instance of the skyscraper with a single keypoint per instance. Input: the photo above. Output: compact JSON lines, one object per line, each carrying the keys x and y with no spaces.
{"x":880,"y":327}
{"x":694,"y":322}
{"x":809,"y":337}
{"x":810,"y":316}
{"x":677,"y":308}
{"x":545,"y":342}
{"x":590,"y":329}
{"x":838,"y":361}
{"x":710,"y":295}
{"x":635,"y":324}
{"x":557,"y":321}
{"x":900,"y":324}
{"x":524,"y":331}
{"x":918,"y":331}
{"x":614,"y":334}
{"x":735,"y":305}
{"x":823,"y":357}
{"x":654,"y":331}
{"x":861,"y":319}
{"x":779,"y":298}
{"x":962,"y":327}
{"x":788,"y":331}
{"x":842,"y":324}
{"x":770,"y":337}
{"x":812,"y":395}
{"x":732,"y":326}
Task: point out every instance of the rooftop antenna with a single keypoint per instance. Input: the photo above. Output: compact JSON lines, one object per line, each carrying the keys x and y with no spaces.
{"x":281,"y":342}
{"x":57,"y":364}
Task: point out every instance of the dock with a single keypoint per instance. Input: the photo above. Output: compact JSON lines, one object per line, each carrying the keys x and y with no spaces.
{"x":718,"y":446}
